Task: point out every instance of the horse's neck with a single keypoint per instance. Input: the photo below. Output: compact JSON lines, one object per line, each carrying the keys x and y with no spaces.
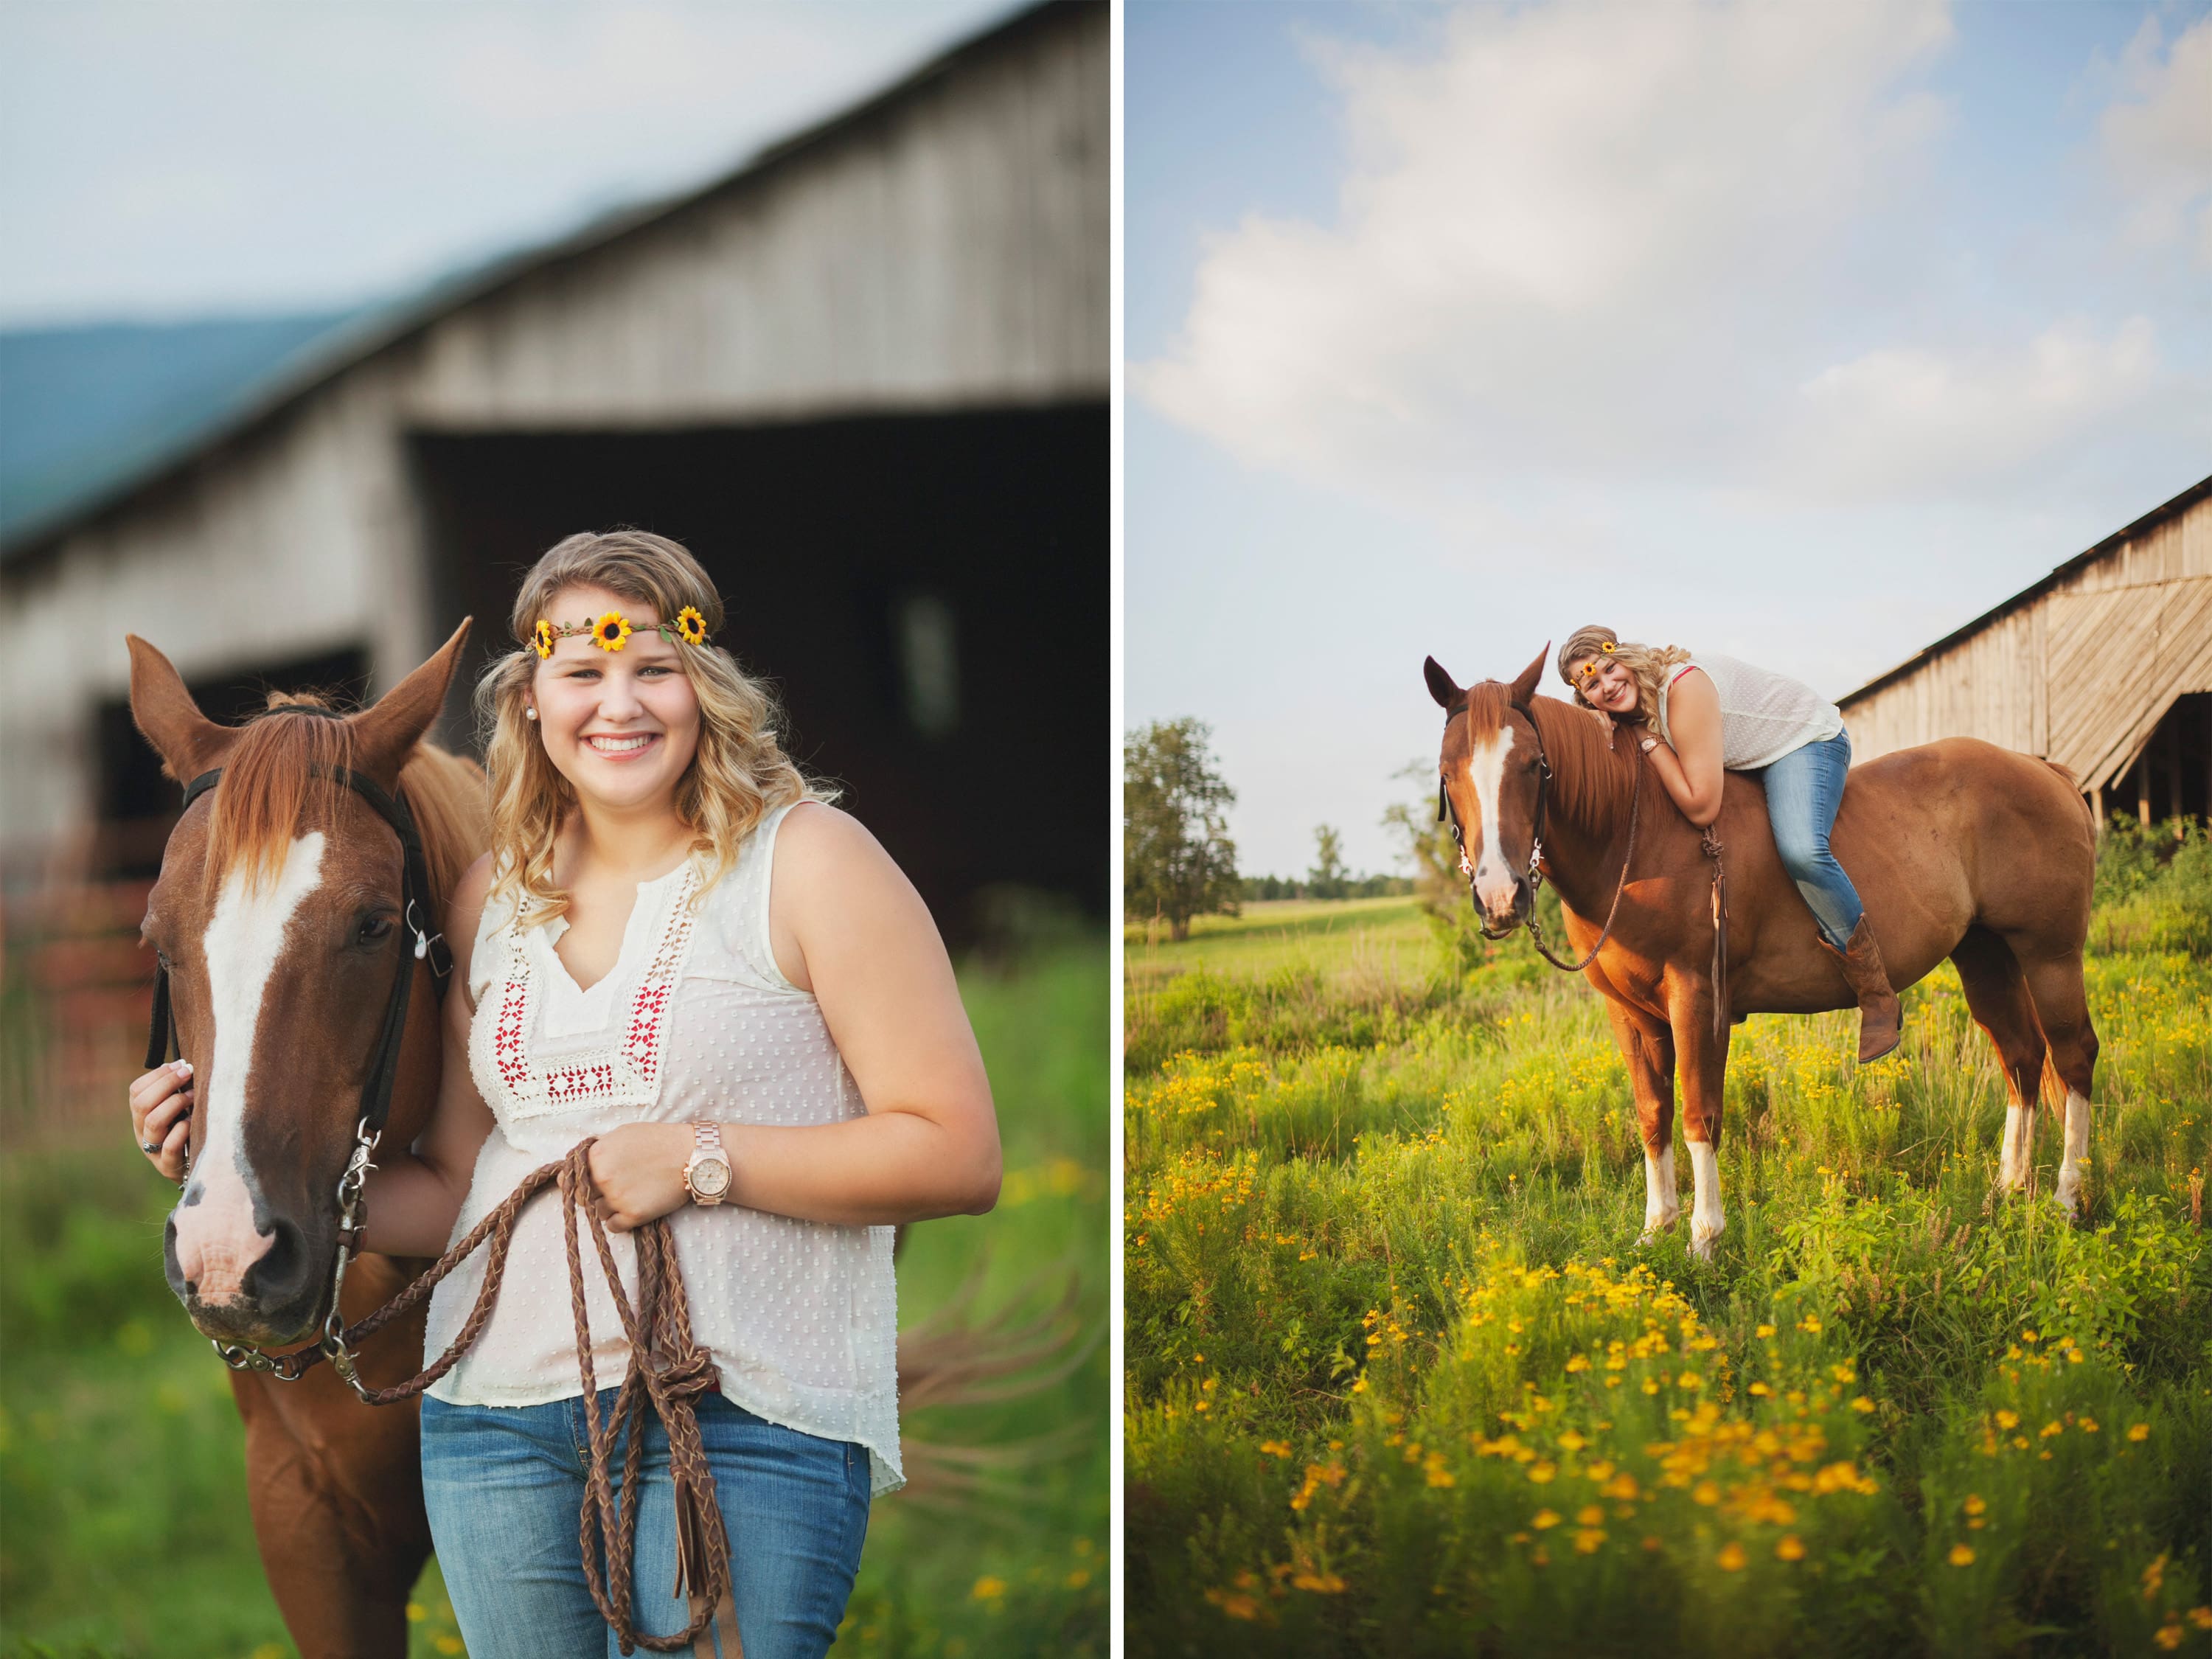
{"x":1587,"y":820}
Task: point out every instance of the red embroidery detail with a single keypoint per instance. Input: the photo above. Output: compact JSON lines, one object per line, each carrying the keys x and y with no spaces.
{"x":628,"y":1072}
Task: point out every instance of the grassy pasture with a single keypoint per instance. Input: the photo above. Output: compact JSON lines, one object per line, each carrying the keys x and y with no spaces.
{"x":123,"y":1519}
{"x":1401,"y":1380}
{"x":1271,"y":934}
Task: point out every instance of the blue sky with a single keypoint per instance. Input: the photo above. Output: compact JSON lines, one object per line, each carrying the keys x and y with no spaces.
{"x":1800,"y":333}
{"x":160,"y":159}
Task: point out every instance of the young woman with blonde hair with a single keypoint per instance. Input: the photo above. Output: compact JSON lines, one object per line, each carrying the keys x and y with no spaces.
{"x":1708,"y":715}
{"x":675,"y":945}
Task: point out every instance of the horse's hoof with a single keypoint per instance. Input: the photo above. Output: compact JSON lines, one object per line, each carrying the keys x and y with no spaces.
{"x":1701,"y":1249}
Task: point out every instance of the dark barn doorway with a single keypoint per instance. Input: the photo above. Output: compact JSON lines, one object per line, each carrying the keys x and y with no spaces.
{"x":2172,"y":777}
{"x":928,"y":592}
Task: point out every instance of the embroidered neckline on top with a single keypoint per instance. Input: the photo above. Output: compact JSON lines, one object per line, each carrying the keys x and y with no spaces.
{"x":648,"y":913}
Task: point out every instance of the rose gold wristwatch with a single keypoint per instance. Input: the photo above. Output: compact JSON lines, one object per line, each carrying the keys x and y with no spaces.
{"x":707,"y":1171}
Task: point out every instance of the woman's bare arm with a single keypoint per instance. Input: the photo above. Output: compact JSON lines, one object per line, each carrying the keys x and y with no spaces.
{"x":1691,"y":770}
{"x":414,"y":1197}
{"x":848,"y":926}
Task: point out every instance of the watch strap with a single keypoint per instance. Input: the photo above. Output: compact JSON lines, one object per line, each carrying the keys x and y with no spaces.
{"x":707,"y":1143}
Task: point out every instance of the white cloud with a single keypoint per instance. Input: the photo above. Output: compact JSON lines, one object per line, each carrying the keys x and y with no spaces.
{"x":1584,"y":248}
{"x":2156,"y":137}
{"x":1901,"y":419}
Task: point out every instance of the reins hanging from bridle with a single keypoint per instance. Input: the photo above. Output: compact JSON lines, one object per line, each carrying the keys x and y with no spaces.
{"x":1447,"y":813}
{"x":668,"y":1367}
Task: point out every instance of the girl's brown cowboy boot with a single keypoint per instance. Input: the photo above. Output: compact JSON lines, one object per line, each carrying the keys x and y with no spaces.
{"x":1880,"y":1021}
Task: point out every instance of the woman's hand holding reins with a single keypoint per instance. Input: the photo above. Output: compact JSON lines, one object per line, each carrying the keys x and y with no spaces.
{"x":638,"y":1168}
{"x":161,"y":1116}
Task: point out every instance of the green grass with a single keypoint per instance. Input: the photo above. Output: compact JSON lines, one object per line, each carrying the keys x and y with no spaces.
{"x":1401,"y":1380}
{"x":123,"y":1519}
{"x":1271,"y":935}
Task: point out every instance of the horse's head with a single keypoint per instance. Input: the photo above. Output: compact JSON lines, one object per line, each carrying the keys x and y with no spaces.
{"x":277,"y":916}
{"x":1490,"y":767}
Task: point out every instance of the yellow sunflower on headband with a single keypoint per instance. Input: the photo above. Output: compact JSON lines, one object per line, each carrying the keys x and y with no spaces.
{"x":691,"y":626}
{"x":541,"y":639}
{"x":612,"y":631}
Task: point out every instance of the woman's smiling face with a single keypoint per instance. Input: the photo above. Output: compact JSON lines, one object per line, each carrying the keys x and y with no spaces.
{"x":620,"y":725}
{"x":1610,"y":687}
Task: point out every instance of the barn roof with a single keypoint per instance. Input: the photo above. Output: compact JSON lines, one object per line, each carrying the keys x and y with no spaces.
{"x":2081,"y":561}
{"x":382,"y":329}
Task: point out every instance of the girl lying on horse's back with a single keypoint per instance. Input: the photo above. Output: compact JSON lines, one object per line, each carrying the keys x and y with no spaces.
{"x":1958,"y":849}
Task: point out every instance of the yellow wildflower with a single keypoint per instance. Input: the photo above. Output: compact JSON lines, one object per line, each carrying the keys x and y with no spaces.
{"x":1731,"y":1558}
{"x":1962,"y":1555}
{"x":1791,"y":1548}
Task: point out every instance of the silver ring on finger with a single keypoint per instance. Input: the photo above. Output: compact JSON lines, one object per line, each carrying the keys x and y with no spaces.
{"x":148,"y":1146}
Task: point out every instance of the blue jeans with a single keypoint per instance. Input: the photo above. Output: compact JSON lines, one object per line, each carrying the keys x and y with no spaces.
{"x":1803,"y":790}
{"x":504,"y":1485}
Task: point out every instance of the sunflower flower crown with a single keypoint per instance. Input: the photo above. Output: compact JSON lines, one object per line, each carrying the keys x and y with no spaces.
{"x":1589,"y":671}
{"x":612,"y":631}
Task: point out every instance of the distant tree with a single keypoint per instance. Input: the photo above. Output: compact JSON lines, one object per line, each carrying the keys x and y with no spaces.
{"x":1177,"y":860}
{"x":1328,"y":878}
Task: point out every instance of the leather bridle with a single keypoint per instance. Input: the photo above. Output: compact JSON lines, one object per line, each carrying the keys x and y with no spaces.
{"x":417,"y":917}
{"x":1448,"y":813}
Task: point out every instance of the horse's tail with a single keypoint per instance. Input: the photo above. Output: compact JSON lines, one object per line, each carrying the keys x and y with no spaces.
{"x":953,"y":1358}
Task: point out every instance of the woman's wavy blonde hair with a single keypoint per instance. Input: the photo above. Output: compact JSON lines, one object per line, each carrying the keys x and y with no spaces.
{"x":739,"y":775}
{"x":1647,"y":664}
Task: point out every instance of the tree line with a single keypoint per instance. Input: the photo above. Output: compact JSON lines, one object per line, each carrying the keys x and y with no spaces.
{"x":1178,"y":859}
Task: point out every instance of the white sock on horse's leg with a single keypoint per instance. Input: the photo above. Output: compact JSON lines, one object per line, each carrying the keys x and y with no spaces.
{"x":1662,"y":1207}
{"x":2077,"y":1148}
{"x":2019,"y":1154}
{"x":1706,"y":1221}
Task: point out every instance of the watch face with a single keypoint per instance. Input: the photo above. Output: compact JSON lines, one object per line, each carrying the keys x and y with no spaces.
{"x":710,"y":1177}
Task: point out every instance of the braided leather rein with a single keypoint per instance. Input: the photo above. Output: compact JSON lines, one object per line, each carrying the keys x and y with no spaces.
{"x":668,"y":1370}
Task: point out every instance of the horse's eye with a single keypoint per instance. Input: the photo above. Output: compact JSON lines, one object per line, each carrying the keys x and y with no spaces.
{"x":372,"y":929}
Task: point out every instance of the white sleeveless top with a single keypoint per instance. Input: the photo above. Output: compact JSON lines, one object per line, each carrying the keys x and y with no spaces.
{"x":693,"y":1022}
{"x":1764,"y":715}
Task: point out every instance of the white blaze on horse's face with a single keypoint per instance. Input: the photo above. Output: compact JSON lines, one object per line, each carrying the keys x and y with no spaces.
{"x":217,"y":1238}
{"x":1494,"y":883}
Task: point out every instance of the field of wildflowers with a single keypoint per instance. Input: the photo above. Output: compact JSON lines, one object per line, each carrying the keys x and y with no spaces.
{"x":1401,"y":1382}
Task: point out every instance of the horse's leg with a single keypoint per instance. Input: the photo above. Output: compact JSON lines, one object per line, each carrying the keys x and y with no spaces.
{"x":336,"y":1488}
{"x":1702,"y":1059}
{"x":1998,"y":997}
{"x":2062,"y":1003}
{"x":341,"y":1561}
{"x":1647,"y":1049}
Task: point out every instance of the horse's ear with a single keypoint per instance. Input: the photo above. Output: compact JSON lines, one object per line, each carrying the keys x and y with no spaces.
{"x":188,"y":742}
{"x":1525,"y":684}
{"x":386,"y":735}
{"x":1440,"y":684}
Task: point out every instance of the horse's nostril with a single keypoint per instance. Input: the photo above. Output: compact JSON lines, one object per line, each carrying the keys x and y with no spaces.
{"x":278,"y":1275}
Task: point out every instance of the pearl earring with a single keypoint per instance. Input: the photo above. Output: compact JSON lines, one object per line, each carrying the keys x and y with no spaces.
{"x":529,"y":714}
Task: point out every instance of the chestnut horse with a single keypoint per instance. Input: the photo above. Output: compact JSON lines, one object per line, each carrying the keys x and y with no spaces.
{"x":1958,"y":848}
{"x":277,"y":917}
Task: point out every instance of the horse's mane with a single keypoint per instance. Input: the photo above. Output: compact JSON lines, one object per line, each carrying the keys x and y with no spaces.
{"x":270,"y":781}
{"x":1591,"y":783}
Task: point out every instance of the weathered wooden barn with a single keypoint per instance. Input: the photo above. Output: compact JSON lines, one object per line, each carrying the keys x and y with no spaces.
{"x":2103,"y":666}
{"x":865,"y":379}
